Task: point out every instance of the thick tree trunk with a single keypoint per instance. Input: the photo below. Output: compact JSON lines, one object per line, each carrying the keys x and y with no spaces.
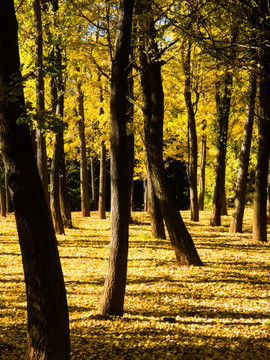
{"x":48,"y":330}
{"x":102,"y":183}
{"x":240,"y":191}
{"x":192,"y":171}
{"x":112,"y":300}
{"x":223,"y":103}
{"x":85,"y":203}
{"x":156,"y":218}
{"x":260,"y":195}
{"x":202,"y":169}
{"x":63,"y":188}
{"x":40,"y":101}
{"x":151,"y":81}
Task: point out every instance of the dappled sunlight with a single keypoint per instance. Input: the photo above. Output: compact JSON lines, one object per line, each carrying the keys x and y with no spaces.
{"x":218,"y":311}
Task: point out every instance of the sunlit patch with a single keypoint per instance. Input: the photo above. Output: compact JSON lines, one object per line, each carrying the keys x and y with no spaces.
{"x":218,"y":311}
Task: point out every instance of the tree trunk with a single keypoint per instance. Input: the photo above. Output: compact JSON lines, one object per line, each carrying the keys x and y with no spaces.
{"x":223,"y":103}
{"x":112,"y":300}
{"x":85,"y":203}
{"x":192,"y":171}
{"x":8,"y":204}
{"x":240,"y":191}
{"x":102,"y":183}
{"x":151,"y":81}
{"x":260,"y":195}
{"x":93,"y":187}
{"x":202,"y":169}
{"x":63,"y":188}
{"x":2,"y":197}
{"x":55,"y":187}
{"x":268,"y":193}
{"x":156,"y":218}
{"x":48,"y":329}
{"x":40,"y":101}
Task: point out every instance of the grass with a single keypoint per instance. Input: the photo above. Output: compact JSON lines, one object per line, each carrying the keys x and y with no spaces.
{"x":218,"y":311}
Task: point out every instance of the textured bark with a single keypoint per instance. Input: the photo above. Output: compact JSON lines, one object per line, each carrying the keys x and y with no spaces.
{"x":192,"y":171}
{"x":93,"y":188}
{"x":223,"y":104}
{"x":112,"y":300}
{"x":85,"y":203}
{"x":260,"y":195}
{"x":240,"y":191}
{"x":151,"y":81}
{"x":47,"y":330}
{"x":102,"y":183}
{"x":40,"y":101}
{"x":63,"y":188}
{"x":202,"y":169}
{"x":156,"y":218}
{"x":55,"y":187}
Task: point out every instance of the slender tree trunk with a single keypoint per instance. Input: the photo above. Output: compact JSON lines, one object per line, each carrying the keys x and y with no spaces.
{"x":48,"y":329}
{"x":2,"y":197}
{"x":63,"y":188}
{"x":93,"y":188}
{"x":202,"y":169}
{"x":112,"y":300}
{"x":55,"y":186}
{"x":268,"y":193}
{"x":192,"y":173}
{"x":40,"y":101}
{"x":260,"y":195}
{"x":85,"y":203}
{"x":102,"y":183}
{"x":223,"y":103}
{"x":240,"y":191}
{"x":151,"y":81}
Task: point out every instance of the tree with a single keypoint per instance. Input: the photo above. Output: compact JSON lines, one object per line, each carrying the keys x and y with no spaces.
{"x":202,"y":167}
{"x":192,"y":171}
{"x":102,"y":183}
{"x":85,"y":204}
{"x":260,"y":195}
{"x":2,"y":197}
{"x":239,"y":202}
{"x":40,"y":98}
{"x":48,"y":328}
{"x":112,"y":300}
{"x":153,"y":113}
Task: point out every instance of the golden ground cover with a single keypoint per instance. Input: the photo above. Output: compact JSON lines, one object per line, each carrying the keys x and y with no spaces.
{"x":218,"y":311}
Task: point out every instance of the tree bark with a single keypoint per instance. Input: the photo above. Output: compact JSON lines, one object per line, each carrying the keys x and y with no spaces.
{"x":223,"y":104}
{"x":156,"y":218}
{"x":260,"y":195}
{"x":93,"y":187}
{"x":63,"y":188}
{"x":112,"y":300}
{"x":2,"y":197}
{"x":40,"y":101}
{"x":153,"y":112}
{"x":268,"y":193}
{"x":85,"y":203}
{"x":8,"y":204}
{"x":202,"y":168}
{"x":102,"y":183}
{"x":192,"y":171}
{"x":241,"y":182}
{"x":48,"y":329}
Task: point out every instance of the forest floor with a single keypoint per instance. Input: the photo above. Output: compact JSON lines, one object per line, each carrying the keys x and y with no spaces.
{"x":218,"y":311}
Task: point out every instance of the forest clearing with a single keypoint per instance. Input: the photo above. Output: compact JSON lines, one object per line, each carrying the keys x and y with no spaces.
{"x":218,"y":311}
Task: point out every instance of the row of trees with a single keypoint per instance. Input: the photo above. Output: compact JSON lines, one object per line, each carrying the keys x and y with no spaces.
{"x":147,"y":36}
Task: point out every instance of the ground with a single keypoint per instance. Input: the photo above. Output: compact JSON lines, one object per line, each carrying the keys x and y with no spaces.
{"x":218,"y":311}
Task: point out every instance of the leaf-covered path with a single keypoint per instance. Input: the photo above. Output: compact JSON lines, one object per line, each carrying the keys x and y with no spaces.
{"x":219,"y":311}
